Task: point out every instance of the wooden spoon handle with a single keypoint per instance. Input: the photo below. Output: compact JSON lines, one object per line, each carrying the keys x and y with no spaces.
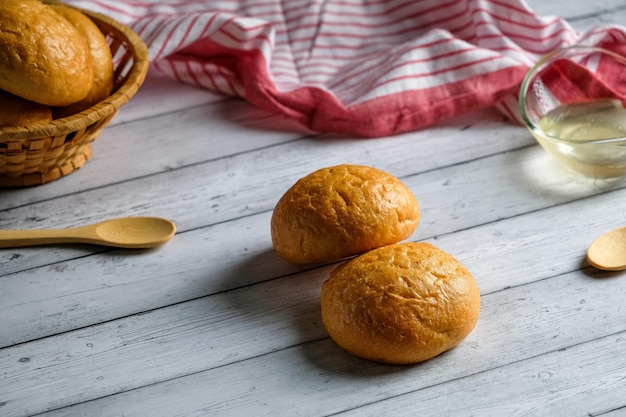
{"x":20,"y":238}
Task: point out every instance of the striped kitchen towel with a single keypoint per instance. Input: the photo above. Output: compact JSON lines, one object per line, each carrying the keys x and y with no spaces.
{"x":366,"y":68}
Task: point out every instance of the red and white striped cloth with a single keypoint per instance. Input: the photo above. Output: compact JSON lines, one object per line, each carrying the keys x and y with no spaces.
{"x":356,"y":67}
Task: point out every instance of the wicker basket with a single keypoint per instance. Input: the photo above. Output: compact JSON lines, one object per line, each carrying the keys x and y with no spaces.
{"x":44,"y":153}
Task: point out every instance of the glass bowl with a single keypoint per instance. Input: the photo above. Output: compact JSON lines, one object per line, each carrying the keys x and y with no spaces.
{"x":572,"y":101}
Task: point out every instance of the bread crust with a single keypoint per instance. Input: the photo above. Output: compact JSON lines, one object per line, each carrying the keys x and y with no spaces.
{"x":341,"y":211}
{"x":400,"y":304}
{"x":18,"y":112}
{"x":43,"y":58}
{"x":102,"y":61}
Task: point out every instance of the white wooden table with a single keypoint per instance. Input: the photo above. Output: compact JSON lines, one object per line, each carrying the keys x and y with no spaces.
{"x":215,"y":324}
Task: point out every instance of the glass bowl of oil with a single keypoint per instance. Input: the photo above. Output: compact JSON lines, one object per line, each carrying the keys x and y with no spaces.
{"x":573,"y":102}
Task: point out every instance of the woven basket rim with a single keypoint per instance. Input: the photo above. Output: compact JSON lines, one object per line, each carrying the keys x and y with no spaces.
{"x":102,"y":109}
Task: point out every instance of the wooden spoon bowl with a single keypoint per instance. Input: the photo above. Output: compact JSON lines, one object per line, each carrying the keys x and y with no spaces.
{"x":608,"y":252}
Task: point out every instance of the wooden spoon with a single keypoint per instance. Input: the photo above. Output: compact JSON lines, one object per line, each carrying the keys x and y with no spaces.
{"x":125,"y":232}
{"x":608,"y":252}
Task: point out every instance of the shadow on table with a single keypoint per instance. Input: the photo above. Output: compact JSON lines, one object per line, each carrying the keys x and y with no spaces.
{"x":281,"y":297}
{"x":284,"y":301}
{"x":539,"y":172}
{"x":595,"y":273}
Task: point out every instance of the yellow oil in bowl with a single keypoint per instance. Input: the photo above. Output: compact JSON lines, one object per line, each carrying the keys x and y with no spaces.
{"x":588,"y":138}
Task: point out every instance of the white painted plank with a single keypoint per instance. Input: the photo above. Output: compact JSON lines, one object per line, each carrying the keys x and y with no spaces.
{"x":616,"y":17}
{"x":575,"y":10}
{"x":584,"y":380}
{"x":160,"y":144}
{"x":191,"y":337}
{"x":160,"y":94}
{"x":249,"y":181}
{"x":312,"y":377}
{"x":618,"y":412}
{"x":226,"y":129}
{"x":457,"y":198}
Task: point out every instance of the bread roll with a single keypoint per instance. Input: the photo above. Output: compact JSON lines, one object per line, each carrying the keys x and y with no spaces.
{"x":43,"y":58}
{"x":342,"y":211}
{"x":101,"y":58}
{"x":400,"y":304}
{"x":18,"y":112}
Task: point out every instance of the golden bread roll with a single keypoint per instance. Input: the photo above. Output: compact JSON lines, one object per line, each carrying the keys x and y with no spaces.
{"x":400,"y":304}
{"x":43,"y":57}
{"x":18,"y":112}
{"x":101,"y":58}
{"x":342,"y":211}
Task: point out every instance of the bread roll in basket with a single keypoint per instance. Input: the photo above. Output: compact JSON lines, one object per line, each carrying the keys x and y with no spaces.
{"x":37,"y":154}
